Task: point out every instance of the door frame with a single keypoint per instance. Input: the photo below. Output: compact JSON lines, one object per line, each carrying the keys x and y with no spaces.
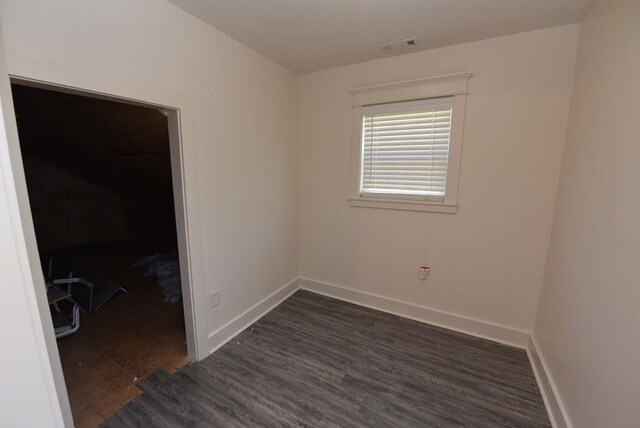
{"x":173,"y":114}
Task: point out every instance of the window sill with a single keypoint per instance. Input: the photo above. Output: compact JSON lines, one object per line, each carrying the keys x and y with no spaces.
{"x":404,"y":205}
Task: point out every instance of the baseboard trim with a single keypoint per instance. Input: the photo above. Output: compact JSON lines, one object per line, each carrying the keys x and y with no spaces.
{"x":250,"y":316}
{"x":482,"y":329}
{"x":555,"y":408}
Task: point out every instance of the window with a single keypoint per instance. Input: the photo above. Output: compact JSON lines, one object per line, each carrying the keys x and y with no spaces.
{"x":405,"y":149}
{"x":407,"y":153}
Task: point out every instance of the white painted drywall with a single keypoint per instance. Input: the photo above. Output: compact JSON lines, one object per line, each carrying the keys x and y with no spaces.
{"x":588,"y":323}
{"x":32,"y":390}
{"x":239,"y":128}
{"x":487,"y":260}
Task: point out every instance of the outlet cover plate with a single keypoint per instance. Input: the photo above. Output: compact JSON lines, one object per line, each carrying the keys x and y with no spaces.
{"x":214,"y":299}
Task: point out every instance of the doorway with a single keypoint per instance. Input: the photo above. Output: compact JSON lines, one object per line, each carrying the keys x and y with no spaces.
{"x":104,"y":184}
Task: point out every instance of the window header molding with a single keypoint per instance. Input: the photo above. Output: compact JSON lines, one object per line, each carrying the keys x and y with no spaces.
{"x":428,"y":87}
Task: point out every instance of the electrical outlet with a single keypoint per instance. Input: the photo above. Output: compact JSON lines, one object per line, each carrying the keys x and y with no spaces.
{"x":424,"y":272}
{"x":214,"y":299}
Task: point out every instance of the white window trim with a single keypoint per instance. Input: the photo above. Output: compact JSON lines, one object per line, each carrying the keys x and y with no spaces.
{"x":455,"y":85}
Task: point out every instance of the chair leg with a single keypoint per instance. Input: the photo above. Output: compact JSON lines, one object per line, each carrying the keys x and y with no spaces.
{"x":75,"y":324}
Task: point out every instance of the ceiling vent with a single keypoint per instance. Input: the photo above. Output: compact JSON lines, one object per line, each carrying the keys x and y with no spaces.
{"x":400,"y":44}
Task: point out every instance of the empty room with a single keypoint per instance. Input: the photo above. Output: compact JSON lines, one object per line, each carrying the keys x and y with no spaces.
{"x":340,"y":213}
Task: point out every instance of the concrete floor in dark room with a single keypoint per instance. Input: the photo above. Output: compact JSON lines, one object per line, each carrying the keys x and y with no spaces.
{"x":123,"y":342}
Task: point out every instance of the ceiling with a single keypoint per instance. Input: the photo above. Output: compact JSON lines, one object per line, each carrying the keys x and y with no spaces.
{"x":311,"y":35}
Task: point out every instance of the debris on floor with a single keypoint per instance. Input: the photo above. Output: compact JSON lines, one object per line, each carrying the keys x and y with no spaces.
{"x":166,"y":269}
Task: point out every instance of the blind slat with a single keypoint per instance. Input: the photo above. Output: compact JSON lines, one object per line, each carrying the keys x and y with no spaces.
{"x":406,"y":153}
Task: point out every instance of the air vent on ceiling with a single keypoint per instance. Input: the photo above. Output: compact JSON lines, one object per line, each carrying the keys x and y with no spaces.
{"x":400,"y":44}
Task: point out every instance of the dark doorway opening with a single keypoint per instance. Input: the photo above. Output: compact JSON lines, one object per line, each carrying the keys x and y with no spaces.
{"x":100,"y":188}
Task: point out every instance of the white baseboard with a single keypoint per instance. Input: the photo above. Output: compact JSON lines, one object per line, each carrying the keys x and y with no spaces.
{"x":483,"y":329}
{"x":250,"y":316}
{"x":555,"y":408}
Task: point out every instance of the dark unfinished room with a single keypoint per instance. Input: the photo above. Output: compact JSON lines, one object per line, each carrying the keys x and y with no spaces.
{"x":99,"y":179}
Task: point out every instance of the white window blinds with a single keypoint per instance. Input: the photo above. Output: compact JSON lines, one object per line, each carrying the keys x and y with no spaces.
{"x":405,"y":149}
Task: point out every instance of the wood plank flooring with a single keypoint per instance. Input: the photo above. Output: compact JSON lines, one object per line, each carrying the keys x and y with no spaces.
{"x":319,"y":362}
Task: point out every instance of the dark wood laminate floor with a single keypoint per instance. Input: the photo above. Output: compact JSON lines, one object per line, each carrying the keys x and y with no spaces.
{"x":319,"y":362}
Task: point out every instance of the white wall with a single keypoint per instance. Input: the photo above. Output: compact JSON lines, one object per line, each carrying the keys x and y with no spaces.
{"x":487,"y":260}
{"x":588,"y":323}
{"x":27,"y":372}
{"x":239,"y":128}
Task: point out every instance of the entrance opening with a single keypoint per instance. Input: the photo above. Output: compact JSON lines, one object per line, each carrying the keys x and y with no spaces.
{"x":99,"y":177}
